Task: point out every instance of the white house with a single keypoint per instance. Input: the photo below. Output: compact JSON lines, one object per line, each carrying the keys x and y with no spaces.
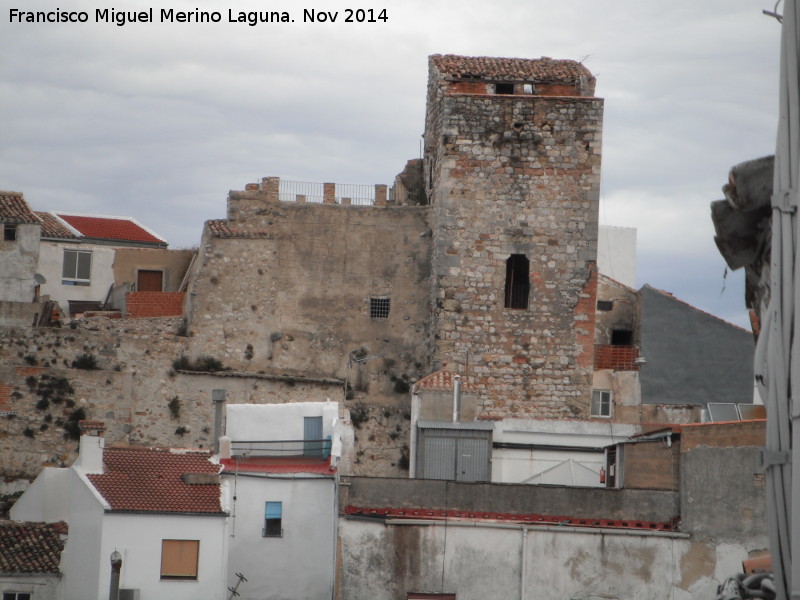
{"x":30,"y":560}
{"x":280,"y":467}
{"x":146,"y":519}
{"x":77,"y":254}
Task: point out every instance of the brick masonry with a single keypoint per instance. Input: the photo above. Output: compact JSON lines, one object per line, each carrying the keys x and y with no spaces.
{"x":154,"y":304}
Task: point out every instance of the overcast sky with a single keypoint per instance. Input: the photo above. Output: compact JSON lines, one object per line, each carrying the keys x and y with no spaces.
{"x":159,"y":120}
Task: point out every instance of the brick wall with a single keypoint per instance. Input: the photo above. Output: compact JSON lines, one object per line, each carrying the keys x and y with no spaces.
{"x":154,"y":304}
{"x":618,"y":358}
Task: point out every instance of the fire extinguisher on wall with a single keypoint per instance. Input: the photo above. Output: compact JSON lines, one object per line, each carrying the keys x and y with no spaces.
{"x":602,"y":474}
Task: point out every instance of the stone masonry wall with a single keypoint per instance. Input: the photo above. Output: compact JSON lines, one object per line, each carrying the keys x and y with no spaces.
{"x":136,"y":391}
{"x":289,"y":286}
{"x":515,"y":175}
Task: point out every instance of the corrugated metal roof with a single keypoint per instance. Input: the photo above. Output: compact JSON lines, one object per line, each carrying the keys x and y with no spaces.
{"x":473,"y":425}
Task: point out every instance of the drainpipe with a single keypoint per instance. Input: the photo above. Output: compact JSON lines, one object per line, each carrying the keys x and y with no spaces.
{"x":523,"y":574}
{"x":456,"y":398}
{"x":218,"y":396}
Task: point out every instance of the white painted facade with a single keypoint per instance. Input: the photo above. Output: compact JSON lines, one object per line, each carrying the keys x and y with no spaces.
{"x":18,"y":263}
{"x":484,"y":561}
{"x":272,"y":422}
{"x":556,"y":454}
{"x":616,"y":253}
{"x":51,"y":265}
{"x":301,"y":562}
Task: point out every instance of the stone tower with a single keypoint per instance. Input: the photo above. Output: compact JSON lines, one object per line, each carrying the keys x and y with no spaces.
{"x":512,"y":170}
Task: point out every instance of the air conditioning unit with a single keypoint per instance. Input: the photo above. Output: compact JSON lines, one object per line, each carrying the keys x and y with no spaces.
{"x":129,"y":594}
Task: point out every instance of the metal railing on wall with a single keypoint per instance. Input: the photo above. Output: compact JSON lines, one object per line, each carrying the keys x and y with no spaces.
{"x":309,"y":191}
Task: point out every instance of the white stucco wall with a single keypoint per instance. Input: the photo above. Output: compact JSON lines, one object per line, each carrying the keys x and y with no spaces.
{"x":138,"y":539}
{"x":264,"y":422}
{"x":616,"y":253}
{"x":51,"y":262}
{"x":486,"y":563}
{"x":18,"y":264}
{"x":301,"y":563}
{"x":521,"y":465}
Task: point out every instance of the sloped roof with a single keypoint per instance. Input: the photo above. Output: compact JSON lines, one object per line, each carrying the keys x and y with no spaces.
{"x":510,"y":69}
{"x":53,"y":227}
{"x":14,"y":209}
{"x":273,"y":464}
{"x":441,"y":381}
{"x":111,"y":228}
{"x":31,"y":548}
{"x":150,"y":480}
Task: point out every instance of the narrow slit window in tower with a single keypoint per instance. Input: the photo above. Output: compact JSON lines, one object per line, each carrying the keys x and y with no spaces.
{"x":518,"y":283}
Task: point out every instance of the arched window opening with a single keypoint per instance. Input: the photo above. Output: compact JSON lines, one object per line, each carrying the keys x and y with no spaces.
{"x":518,"y":283}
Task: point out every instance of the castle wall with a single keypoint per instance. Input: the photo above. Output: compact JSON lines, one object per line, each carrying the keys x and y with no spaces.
{"x":515,"y":175}
{"x":290,"y":286}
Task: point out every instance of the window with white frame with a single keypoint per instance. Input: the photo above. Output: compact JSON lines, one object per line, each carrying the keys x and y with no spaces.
{"x":17,"y":595}
{"x":601,"y":403}
{"x":77,"y":269}
{"x":273,"y":519}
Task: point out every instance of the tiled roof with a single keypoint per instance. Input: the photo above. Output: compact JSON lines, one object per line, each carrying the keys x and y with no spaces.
{"x":31,"y":548}
{"x":220,"y":228}
{"x":510,"y":69}
{"x":270,"y":464}
{"x":111,"y":228}
{"x":52,"y":227}
{"x":150,"y":480}
{"x":441,"y":381}
{"x":14,"y":209}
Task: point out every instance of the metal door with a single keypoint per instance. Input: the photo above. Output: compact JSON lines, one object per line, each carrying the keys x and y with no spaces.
{"x":312,"y":436}
{"x":472,"y":460}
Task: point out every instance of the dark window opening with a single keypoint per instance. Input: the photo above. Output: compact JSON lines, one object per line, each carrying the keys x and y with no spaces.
{"x":504,"y":88}
{"x":17,"y":596}
{"x":621,"y":337}
{"x":605,"y":305}
{"x":273,"y":519}
{"x":379,"y":308}
{"x":518,"y":283}
{"x":9,"y":232}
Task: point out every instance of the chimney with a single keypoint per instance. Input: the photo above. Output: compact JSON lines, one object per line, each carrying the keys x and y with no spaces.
{"x":90,"y":453}
{"x":456,"y":398}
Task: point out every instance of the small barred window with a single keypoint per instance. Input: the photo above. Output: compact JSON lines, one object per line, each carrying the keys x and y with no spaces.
{"x":379,"y":308}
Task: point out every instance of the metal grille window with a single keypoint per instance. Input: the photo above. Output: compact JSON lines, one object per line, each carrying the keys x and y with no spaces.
{"x":77,"y":268}
{"x":518,"y":283}
{"x":601,"y":403}
{"x":273,"y":519}
{"x":379,"y":308}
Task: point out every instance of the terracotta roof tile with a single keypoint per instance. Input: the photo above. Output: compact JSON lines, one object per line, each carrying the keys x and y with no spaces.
{"x":30,"y":548}
{"x":222,"y":229}
{"x":111,"y":228}
{"x":441,"y":381}
{"x":14,"y":209}
{"x":270,"y":464}
{"x":150,"y":480}
{"x":52,"y":227}
{"x":510,"y":69}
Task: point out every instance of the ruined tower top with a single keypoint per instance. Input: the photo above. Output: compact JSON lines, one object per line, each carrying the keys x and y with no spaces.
{"x":513,"y":76}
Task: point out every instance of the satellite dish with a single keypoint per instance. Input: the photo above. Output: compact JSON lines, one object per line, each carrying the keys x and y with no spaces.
{"x":39,"y":279}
